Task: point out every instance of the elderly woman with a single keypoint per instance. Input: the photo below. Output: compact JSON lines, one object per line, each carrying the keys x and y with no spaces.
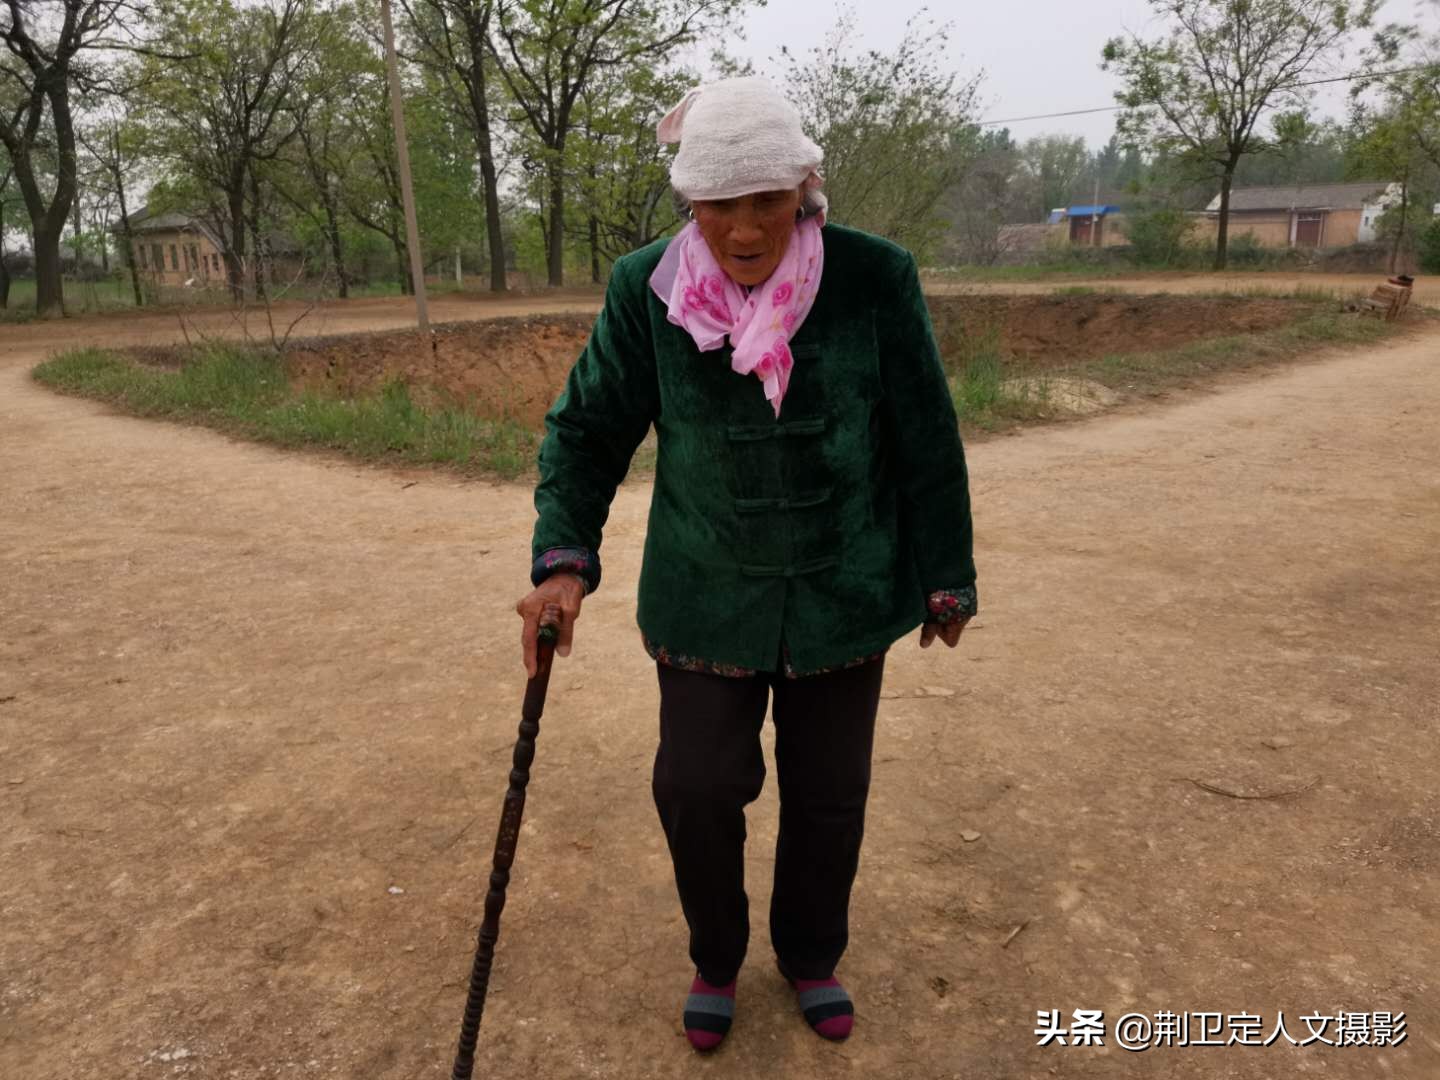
{"x":810,"y":507}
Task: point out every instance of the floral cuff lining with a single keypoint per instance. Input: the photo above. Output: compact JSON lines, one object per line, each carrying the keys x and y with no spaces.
{"x":951,"y":605}
{"x":568,"y":560}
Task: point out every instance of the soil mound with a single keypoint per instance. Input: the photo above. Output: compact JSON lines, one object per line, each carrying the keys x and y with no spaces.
{"x":516,"y":367}
{"x":1052,"y":331}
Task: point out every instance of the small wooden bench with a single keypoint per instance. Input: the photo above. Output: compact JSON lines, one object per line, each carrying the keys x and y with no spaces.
{"x":1387,"y":301}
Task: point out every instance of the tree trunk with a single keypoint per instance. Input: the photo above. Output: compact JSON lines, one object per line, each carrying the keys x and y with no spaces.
{"x":49,"y":284}
{"x":1400,"y":232}
{"x":402,"y":267}
{"x":130,"y":261}
{"x":1222,"y":233}
{"x":594,"y":250}
{"x":4,"y":283}
{"x":125,"y":232}
{"x":555,"y":259}
{"x":337,"y":255}
{"x":478,"y":41}
{"x":48,"y":222}
{"x":495,"y":238}
{"x":259,"y":243}
{"x":4,"y":270}
{"x":77,"y":225}
{"x":235,"y":253}
{"x":593,"y":228}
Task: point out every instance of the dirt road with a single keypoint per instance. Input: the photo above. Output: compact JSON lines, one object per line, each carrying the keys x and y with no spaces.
{"x":384,"y":313}
{"x":123,"y":328}
{"x":256,"y":709}
{"x":1426,"y":291}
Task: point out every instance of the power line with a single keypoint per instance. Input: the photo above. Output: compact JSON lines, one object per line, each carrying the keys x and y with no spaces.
{"x":1289,"y":86}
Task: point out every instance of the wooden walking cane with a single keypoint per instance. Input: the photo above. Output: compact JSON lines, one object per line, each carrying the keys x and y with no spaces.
{"x":505,"y":841}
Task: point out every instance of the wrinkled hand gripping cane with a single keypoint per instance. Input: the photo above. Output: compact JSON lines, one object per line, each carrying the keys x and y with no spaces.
{"x":505,"y":842}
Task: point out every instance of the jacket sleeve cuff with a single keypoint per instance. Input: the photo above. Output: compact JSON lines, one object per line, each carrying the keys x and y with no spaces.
{"x":568,"y":560}
{"x":951,"y":605}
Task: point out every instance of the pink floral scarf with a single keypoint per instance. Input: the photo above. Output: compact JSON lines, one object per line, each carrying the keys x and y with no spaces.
{"x":711,"y":305}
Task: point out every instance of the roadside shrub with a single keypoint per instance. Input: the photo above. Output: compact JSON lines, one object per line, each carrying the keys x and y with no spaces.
{"x":19,"y":263}
{"x":1367,"y":258}
{"x":1157,"y":237}
{"x":1430,"y":247}
{"x":1245,"y":250}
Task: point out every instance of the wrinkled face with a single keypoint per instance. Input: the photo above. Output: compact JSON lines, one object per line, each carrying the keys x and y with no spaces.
{"x":748,"y":234}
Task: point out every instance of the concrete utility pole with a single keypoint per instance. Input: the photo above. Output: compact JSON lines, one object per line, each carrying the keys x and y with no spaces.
{"x":402,"y":154}
{"x":1095,"y":212}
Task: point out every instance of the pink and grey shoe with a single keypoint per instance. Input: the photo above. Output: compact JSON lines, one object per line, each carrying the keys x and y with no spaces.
{"x":709,"y":1011}
{"x":826,"y":1006}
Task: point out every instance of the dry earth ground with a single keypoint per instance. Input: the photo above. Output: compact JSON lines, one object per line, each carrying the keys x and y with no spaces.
{"x":246,"y":696}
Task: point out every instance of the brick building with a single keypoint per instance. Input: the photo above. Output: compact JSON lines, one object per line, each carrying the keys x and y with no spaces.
{"x":175,"y":249}
{"x":1307,"y":216}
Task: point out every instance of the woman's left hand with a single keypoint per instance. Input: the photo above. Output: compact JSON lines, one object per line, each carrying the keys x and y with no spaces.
{"x":947,"y":632}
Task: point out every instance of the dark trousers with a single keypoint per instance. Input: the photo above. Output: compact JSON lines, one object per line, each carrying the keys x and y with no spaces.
{"x":710,"y":766}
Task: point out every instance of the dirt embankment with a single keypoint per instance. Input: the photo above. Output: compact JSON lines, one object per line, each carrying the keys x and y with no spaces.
{"x":511,"y":367}
{"x":1050,"y":331}
{"x":516,"y":367}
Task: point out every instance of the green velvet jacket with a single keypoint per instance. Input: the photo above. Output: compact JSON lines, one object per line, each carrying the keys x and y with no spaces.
{"x":826,"y":528}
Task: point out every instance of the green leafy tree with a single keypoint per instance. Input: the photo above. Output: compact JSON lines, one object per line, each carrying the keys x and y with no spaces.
{"x":311,"y":169}
{"x":1430,"y":247}
{"x":1157,"y":237}
{"x":114,"y":141}
{"x":892,"y":126}
{"x":1300,"y":150}
{"x":1386,"y":145}
{"x":1410,"y":84}
{"x":1058,"y":167}
{"x":547,"y":52}
{"x":1121,"y":169}
{"x":231,"y":107}
{"x":981,"y":197}
{"x":1201,"y":91}
{"x":1400,"y":132}
{"x":454,"y":40}
{"x":51,"y":48}
{"x":620,"y":171}
{"x":371,"y":189}
{"x":448,"y":200}
{"x":442,"y":165}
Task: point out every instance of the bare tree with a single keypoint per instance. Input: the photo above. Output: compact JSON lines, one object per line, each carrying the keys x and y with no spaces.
{"x":109,"y":142}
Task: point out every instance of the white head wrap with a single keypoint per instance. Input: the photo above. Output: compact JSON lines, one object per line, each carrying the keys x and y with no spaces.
{"x":737,"y":137}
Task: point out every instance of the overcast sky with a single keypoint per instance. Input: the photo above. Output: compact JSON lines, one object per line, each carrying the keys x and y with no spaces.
{"x":1039,"y":56}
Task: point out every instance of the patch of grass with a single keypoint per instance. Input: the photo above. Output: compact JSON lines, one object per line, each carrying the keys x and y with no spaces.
{"x":1313,"y":294}
{"x":989,"y":391}
{"x":1041,"y":272}
{"x":247,"y":393}
{"x":1150,"y":371}
{"x":81,"y":297}
{"x":992,"y":391}
{"x":1084,"y":290}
